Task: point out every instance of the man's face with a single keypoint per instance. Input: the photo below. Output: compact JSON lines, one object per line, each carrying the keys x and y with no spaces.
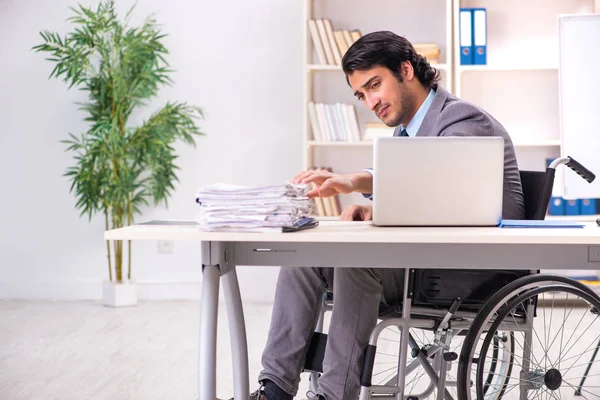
{"x":390,"y":100}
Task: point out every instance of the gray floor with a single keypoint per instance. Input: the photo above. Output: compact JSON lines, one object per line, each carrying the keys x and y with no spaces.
{"x":82,"y":350}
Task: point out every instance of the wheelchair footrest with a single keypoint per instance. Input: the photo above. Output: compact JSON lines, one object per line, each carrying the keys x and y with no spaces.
{"x":316,"y":353}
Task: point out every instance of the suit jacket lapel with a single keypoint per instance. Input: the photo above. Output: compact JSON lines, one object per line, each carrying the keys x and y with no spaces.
{"x":432,"y":115}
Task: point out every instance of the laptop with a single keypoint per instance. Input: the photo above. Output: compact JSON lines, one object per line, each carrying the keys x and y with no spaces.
{"x":438,"y":181}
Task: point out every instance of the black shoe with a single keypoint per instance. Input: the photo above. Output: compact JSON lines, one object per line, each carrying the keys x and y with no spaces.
{"x":257,"y":395}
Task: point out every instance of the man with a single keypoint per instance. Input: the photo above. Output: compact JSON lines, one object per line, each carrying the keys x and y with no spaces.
{"x":401,"y":88}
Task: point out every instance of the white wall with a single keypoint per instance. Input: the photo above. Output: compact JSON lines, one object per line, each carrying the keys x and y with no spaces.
{"x":241,"y":61}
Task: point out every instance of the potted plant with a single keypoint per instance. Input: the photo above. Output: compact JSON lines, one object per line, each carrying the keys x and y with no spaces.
{"x":119,"y":168}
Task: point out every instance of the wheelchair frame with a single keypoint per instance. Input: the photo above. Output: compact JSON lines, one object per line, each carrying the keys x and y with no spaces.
{"x":453,"y":322}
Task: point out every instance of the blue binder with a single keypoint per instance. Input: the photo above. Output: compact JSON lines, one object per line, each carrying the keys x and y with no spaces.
{"x":557,"y":206}
{"x":479,"y":36}
{"x":587,"y":207}
{"x":572,"y":207}
{"x":465,"y":36}
{"x":545,"y":223}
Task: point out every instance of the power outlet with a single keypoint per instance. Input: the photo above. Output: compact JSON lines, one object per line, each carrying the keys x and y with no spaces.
{"x":594,"y":253}
{"x":166,"y":246}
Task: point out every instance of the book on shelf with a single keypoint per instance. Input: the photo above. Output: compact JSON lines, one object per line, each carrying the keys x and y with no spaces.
{"x":377,"y":129}
{"x":430,"y":51}
{"x":314,"y":35}
{"x":333,"y":122}
{"x":325,"y":42}
{"x":341,"y":42}
{"x":348,"y":37}
{"x":329,"y":44}
{"x":327,"y":206}
{"x":337,"y":55}
{"x":355,"y":35}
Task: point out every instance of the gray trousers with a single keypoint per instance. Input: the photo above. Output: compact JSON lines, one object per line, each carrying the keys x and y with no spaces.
{"x":357,"y":294}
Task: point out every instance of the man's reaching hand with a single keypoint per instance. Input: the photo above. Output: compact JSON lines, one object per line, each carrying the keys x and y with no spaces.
{"x":329,"y":184}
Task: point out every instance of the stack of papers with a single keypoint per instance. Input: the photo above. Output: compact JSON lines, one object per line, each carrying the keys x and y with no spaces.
{"x":278,"y":208}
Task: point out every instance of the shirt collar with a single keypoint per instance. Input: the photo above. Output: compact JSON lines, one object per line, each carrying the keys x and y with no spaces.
{"x":417,"y":120}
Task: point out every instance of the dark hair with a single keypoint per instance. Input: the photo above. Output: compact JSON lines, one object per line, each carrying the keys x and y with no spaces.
{"x":386,"y":49}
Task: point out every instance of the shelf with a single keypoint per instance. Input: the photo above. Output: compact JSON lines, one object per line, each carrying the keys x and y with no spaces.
{"x":318,"y":67}
{"x":535,"y":143}
{"x":538,"y":143}
{"x":507,"y":68}
{"x":313,"y":143}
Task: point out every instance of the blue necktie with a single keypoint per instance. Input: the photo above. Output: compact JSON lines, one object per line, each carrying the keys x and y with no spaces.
{"x":403,"y":133}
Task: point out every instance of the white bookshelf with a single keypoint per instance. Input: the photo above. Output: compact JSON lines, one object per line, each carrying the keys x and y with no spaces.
{"x":327,"y":83}
{"x":519,"y":84}
{"x":521,"y":35}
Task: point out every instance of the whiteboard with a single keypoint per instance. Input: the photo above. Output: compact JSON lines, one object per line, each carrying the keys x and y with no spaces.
{"x":579,"y":100}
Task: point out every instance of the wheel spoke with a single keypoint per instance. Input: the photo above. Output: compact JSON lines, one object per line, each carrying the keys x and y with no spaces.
{"x":545,"y":341}
{"x":570,"y":337}
{"x":531,"y":353}
{"x":583,"y":390}
{"x":575,"y":342}
{"x":595,"y":343}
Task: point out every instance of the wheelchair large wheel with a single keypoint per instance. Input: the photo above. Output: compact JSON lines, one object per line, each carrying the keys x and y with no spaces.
{"x":552,"y":351}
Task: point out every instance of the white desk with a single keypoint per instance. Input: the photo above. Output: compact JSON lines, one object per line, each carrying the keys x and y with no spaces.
{"x":354,"y":244}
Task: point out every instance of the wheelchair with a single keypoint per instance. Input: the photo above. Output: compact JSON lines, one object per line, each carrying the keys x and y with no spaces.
{"x":481,"y":334}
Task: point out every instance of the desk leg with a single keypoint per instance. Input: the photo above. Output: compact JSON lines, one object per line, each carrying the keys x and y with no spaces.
{"x":406,"y":299}
{"x":207,"y":357}
{"x":237,"y":333}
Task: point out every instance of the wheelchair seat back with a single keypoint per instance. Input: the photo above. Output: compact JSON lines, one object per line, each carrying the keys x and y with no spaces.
{"x":438,"y":288}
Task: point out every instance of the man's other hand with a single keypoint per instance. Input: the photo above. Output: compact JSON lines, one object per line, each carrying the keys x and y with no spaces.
{"x":357,"y":213}
{"x":326,"y":183}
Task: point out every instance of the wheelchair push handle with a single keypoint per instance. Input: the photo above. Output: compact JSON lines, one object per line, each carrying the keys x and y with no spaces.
{"x":581,"y":170}
{"x":575,"y":166}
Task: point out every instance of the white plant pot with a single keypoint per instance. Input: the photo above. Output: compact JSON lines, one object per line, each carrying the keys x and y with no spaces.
{"x":119,"y":294}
